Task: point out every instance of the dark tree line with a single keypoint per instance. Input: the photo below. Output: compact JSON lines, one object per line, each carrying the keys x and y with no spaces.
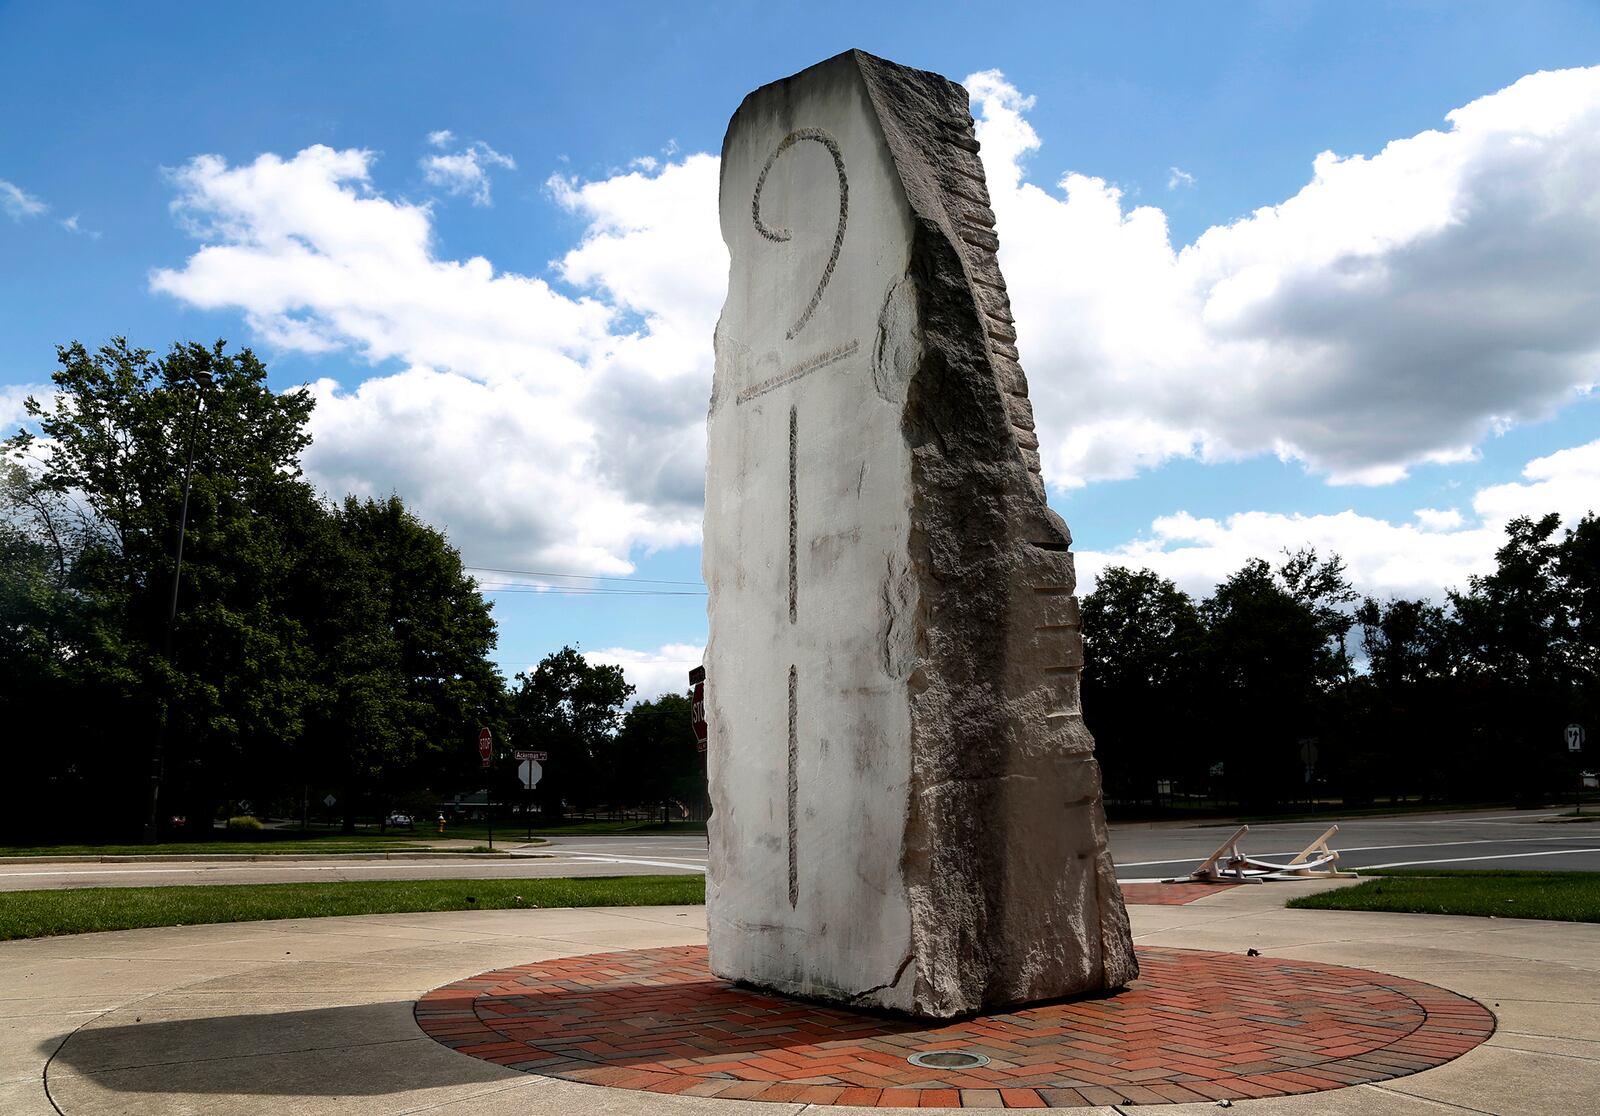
{"x":317,"y":648}
{"x":1216,"y":700}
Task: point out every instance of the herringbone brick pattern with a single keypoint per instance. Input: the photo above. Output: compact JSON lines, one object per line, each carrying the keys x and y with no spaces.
{"x":1194,"y":1026}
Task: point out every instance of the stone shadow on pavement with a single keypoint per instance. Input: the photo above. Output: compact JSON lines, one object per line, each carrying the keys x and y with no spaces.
{"x":246,"y":1053}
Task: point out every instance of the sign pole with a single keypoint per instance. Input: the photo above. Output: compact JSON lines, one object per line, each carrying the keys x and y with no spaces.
{"x":1575,"y":737}
{"x":702,"y":733}
{"x":486,"y":755}
{"x":529,"y":771}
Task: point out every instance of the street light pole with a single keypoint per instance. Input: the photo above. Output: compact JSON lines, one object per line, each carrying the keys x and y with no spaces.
{"x":158,"y":753}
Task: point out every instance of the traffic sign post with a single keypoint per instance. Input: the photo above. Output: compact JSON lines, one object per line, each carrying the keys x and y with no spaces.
{"x":1575,"y":737}
{"x":697,"y":679}
{"x":702,"y":730}
{"x":530,"y":771}
{"x":1308,"y":756}
{"x":486,"y":754}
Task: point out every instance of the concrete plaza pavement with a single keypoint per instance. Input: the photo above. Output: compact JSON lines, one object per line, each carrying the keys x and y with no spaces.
{"x":315,"y":1016}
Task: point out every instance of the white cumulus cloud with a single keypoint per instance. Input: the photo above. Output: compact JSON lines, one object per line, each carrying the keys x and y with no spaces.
{"x":1426,"y":558}
{"x":1439,"y":519}
{"x":463,"y":173}
{"x":13,"y":403}
{"x":1567,"y":481}
{"x":1394,"y":311}
{"x":1397,"y":309}
{"x":527,"y":422}
{"x":653,"y":673}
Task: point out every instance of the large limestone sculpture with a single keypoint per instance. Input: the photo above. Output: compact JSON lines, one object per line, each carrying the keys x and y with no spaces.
{"x":907,"y":810}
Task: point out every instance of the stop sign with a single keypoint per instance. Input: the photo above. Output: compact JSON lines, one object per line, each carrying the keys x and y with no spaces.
{"x":485,"y":745}
{"x":697,"y":679}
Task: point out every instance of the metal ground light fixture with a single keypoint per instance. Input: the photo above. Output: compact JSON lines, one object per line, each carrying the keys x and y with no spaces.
{"x":202,"y":380}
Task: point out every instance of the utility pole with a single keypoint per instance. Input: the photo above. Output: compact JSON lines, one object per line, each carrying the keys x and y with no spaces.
{"x":152,"y":828}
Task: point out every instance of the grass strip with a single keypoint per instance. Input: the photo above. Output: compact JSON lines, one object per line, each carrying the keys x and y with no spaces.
{"x":1561,"y":896}
{"x":40,"y":914}
{"x":278,"y":842}
{"x":219,"y":848}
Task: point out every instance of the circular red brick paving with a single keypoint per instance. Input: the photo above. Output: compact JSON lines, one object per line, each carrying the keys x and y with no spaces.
{"x":1195,"y":1026}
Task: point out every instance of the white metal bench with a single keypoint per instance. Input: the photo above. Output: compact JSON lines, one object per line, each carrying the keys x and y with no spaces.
{"x":1229,"y":865}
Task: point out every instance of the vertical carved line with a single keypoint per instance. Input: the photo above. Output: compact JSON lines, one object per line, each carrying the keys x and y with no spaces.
{"x":794,"y":790}
{"x":794,"y":529}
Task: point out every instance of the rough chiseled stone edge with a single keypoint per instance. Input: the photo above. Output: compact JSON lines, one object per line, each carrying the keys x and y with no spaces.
{"x":976,"y":479}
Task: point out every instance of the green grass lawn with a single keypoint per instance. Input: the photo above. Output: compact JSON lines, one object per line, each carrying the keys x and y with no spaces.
{"x":39,"y":914}
{"x":236,"y":847}
{"x":331,"y":840}
{"x":1563,"y":896}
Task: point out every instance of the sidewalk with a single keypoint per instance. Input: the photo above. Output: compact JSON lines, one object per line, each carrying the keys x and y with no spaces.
{"x":315,"y":1016}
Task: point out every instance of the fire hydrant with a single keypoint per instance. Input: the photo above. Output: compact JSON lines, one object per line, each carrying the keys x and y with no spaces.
{"x":441,"y":824}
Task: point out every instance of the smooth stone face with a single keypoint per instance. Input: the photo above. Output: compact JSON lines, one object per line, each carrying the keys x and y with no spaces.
{"x":907,"y":808}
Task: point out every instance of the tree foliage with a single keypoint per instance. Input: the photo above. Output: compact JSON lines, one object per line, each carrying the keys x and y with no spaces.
{"x":310,"y":643}
{"x":1464,"y":700}
{"x":654,"y":756}
{"x":571,"y":708}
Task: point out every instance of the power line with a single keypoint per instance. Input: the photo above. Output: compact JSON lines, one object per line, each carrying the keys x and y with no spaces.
{"x":581,"y":577}
{"x":579,"y":591}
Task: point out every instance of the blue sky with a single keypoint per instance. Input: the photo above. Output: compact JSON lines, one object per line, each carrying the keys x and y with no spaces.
{"x":1408,"y":329}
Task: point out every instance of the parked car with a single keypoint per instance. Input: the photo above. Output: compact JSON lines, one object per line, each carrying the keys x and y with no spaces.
{"x":400,"y":821}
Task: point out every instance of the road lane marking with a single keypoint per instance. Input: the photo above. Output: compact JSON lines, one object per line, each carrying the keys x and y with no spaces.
{"x":636,"y":860}
{"x":1394,"y":864}
{"x":1382,"y":848}
{"x":1469,"y":859}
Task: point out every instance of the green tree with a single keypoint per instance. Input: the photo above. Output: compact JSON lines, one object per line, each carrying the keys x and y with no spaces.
{"x":404,"y":679}
{"x":1515,"y":621}
{"x":41,"y":535}
{"x":1141,"y":638}
{"x":117,"y":437}
{"x":1268,"y":667}
{"x":42,"y":618}
{"x":342,"y":646}
{"x":1404,"y":716}
{"x":571,"y":708}
{"x":1322,"y":587}
{"x":1578,"y":566}
{"x":1521,"y":659}
{"x":655,"y":758}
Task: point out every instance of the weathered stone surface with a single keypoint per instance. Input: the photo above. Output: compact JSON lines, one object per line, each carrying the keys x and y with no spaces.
{"x":907,"y":807}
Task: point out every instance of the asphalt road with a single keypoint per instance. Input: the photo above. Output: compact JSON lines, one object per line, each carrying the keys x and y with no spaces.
{"x":1473,"y":840}
{"x":1480,"y":840}
{"x":574,"y":856}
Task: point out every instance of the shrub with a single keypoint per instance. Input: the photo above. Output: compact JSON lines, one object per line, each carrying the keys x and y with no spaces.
{"x":244,"y":827}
